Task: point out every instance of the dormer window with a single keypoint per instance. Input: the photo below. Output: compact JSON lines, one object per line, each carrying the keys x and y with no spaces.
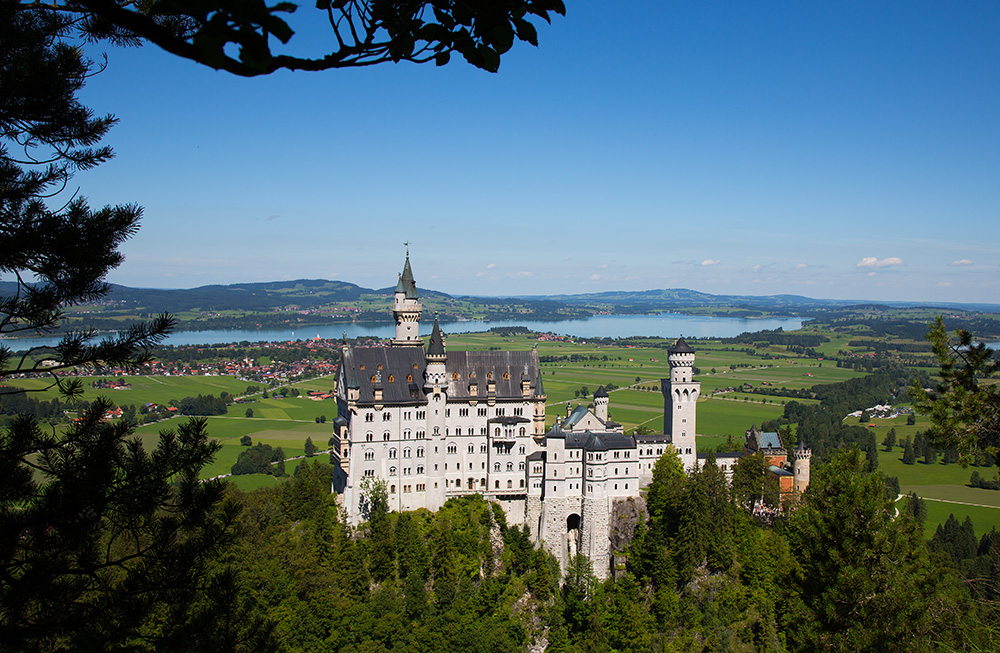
{"x":409,"y":378}
{"x":373,"y":378}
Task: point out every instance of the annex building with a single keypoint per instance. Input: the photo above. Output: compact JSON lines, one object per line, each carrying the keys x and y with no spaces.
{"x":435,"y":424}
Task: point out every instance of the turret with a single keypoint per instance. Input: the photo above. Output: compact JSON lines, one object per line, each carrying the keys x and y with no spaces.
{"x":680,"y":400}
{"x":801,"y":458}
{"x":406,"y":309}
{"x":601,"y":404}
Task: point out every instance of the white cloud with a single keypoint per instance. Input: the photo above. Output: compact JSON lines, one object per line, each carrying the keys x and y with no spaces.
{"x":801,"y":266}
{"x":945,"y":284}
{"x":707,"y":262}
{"x":480,"y":274}
{"x":962,"y":262}
{"x":602,"y":266}
{"x":872,"y":262}
{"x":757,"y":268}
{"x":524,"y":273}
{"x":595,"y":277}
{"x":491,"y":266}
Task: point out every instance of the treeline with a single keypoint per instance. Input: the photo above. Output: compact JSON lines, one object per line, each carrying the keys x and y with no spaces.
{"x":701,"y":573}
{"x":917,"y":329}
{"x":14,"y":401}
{"x":277,"y":353}
{"x":883,"y":347}
{"x":205,"y":404}
{"x":258,"y":459}
{"x":777,"y":337}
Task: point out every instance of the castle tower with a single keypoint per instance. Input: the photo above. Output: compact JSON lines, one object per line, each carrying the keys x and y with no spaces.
{"x":801,"y":458}
{"x":601,"y":404}
{"x":436,"y":388}
{"x":406,"y":309}
{"x":680,"y":399}
{"x":538,"y":418}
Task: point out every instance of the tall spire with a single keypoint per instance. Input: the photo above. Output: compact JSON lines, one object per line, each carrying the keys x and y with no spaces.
{"x":436,"y":346}
{"x":406,"y":282}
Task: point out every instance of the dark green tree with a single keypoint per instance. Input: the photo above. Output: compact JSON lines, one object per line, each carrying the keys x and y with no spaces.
{"x":863,"y":579}
{"x":101,"y":541}
{"x":964,"y":411}
{"x":58,"y":256}
{"x":909,"y":456}
{"x":890,"y":440}
{"x":310,"y":448}
{"x":249,"y":413}
{"x":246,"y":440}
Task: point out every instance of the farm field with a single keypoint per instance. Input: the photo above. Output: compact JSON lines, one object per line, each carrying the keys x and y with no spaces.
{"x":145,"y":389}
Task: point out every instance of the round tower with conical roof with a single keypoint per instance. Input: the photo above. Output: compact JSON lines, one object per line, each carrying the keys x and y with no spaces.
{"x":680,"y":399}
{"x":406,"y":309}
{"x":601,"y":404}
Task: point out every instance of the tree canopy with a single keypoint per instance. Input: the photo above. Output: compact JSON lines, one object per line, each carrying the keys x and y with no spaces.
{"x":253,"y":37}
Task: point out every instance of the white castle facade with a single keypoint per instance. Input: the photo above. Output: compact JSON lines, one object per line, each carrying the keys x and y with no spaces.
{"x":435,"y":424}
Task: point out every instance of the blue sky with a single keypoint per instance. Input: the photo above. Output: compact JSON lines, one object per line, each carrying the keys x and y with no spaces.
{"x":840,"y":150}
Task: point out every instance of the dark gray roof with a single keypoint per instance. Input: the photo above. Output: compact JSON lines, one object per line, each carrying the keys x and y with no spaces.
{"x":436,"y":346}
{"x":507,"y":420}
{"x":723,"y":455}
{"x":402,"y":372}
{"x":409,"y":286}
{"x":653,"y":438}
{"x":487,"y":366}
{"x":538,"y":455}
{"x":601,"y":392}
{"x":400,"y":369}
{"x":681,"y":347}
{"x":539,"y":388}
{"x":595,"y":441}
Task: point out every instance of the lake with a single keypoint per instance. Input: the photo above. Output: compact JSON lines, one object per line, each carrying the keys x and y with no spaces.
{"x":664,"y":325}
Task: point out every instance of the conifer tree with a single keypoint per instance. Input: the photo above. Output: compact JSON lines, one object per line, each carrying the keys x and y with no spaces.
{"x":909,"y":457}
{"x":890,"y":439}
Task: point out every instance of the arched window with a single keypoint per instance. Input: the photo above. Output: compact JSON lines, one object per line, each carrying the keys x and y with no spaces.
{"x":369,"y":436}
{"x":392,"y":489}
{"x":510,"y":484}
{"x":506,"y":376}
{"x":406,"y":453}
{"x":458,"y":431}
{"x":369,"y":455}
{"x":392,"y":453}
{"x":454,"y":377}
{"x":472,"y":448}
{"x":522,"y":432}
{"x":392,"y":471}
{"x":392,"y":379}
{"x":420,"y":453}
{"x":497,"y":486}
{"x":521,"y":449}
{"x":510,"y":467}
{"x":385,"y":436}
{"x":520,"y":466}
{"x":497,"y":432}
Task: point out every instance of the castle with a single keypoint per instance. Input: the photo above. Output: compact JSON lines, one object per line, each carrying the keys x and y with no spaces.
{"x":435,"y":424}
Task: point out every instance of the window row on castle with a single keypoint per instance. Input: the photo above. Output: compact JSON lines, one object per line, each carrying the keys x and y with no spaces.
{"x":500,"y":450}
{"x":462,"y":412}
{"x":470,"y":484}
{"x":407,"y":471}
{"x":421,"y":487}
{"x":420,"y":434}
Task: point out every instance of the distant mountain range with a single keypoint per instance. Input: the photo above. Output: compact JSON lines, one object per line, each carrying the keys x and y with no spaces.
{"x":305,"y":294}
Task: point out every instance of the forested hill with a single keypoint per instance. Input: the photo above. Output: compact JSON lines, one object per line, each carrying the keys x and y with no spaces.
{"x":305,"y":293}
